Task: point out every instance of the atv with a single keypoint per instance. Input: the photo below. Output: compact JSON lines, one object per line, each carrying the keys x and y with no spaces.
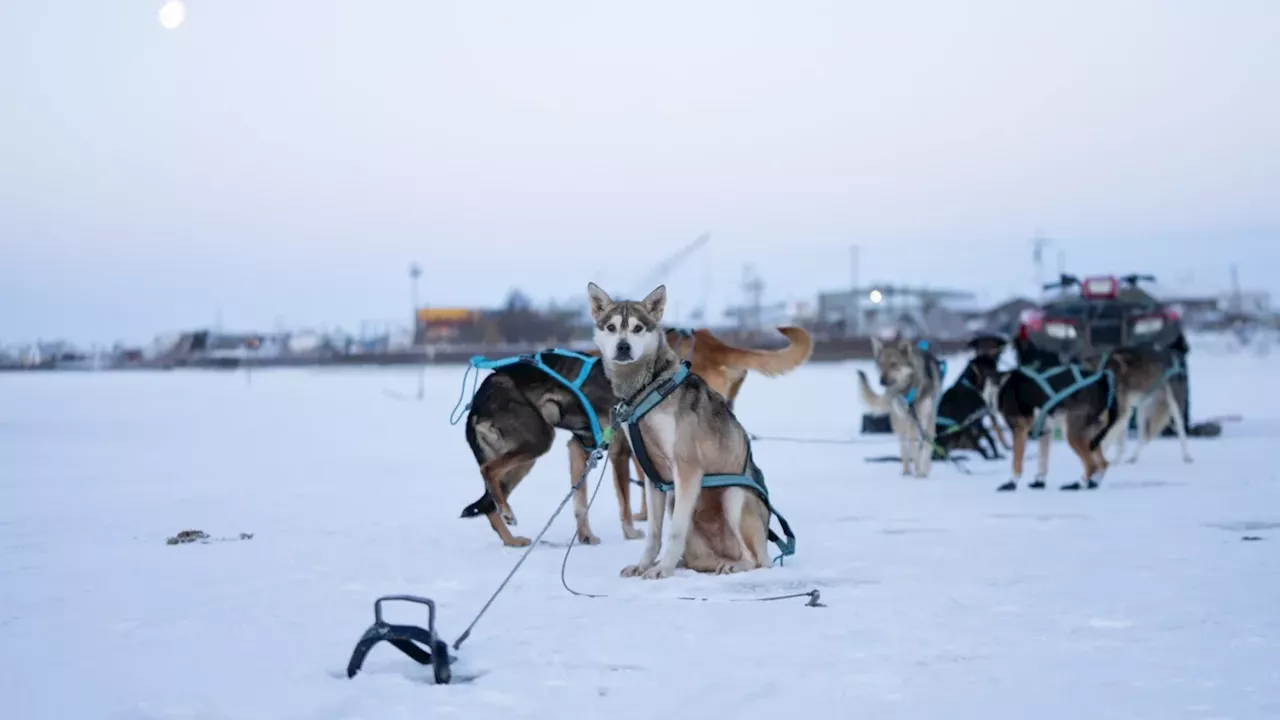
{"x":1106,"y":313}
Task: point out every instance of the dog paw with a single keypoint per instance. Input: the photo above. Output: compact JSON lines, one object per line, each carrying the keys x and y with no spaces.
{"x":1008,"y":487}
{"x":632,"y":571}
{"x":632,"y":533}
{"x":518,"y":541}
{"x":1037,"y":484}
{"x":508,"y":516}
{"x":729,"y":568}
{"x":588,"y":538}
{"x":658,"y":572}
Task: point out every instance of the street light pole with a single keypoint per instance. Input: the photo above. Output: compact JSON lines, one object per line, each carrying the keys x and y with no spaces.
{"x":415,"y":272}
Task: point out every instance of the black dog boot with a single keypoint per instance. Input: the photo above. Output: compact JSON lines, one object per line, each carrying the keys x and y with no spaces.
{"x":1037,"y":483}
{"x":1008,"y":487}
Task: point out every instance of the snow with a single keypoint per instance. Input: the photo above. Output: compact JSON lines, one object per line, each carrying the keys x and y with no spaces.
{"x":945,"y":599}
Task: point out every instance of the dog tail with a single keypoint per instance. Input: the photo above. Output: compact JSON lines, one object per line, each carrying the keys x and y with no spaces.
{"x":869,"y":396}
{"x":1112,"y":416}
{"x":483,"y":506}
{"x":766,"y":362}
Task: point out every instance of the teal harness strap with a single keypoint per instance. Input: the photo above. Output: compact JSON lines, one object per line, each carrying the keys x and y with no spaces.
{"x":1055,"y":398}
{"x":1177,"y":369}
{"x":910,"y":395}
{"x":480,"y":362}
{"x":953,"y":427}
{"x":751,"y":477}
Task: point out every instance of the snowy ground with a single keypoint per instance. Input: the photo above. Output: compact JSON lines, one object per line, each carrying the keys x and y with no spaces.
{"x":945,"y":599}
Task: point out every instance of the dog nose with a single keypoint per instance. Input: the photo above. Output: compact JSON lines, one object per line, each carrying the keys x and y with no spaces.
{"x":885,"y":381}
{"x":624,"y":347}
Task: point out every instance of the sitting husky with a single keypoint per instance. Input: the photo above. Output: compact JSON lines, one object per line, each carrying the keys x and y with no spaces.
{"x":911,"y":377}
{"x":964,"y":408}
{"x":689,"y":433}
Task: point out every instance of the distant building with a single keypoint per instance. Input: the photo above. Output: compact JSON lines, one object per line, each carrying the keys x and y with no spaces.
{"x":1002,"y":318}
{"x":892,"y":309}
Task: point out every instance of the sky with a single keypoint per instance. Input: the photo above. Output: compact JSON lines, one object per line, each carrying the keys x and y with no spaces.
{"x":279,"y":163}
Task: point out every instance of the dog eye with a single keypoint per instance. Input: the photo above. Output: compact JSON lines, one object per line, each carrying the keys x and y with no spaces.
{"x":611,"y":327}
{"x":637,"y":329}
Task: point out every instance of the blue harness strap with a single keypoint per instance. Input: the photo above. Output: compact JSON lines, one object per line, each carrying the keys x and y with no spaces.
{"x":480,"y":362}
{"x":1176,"y":369}
{"x":952,"y":426}
{"x":751,"y":476}
{"x":1079,"y":381}
{"x":910,"y":395}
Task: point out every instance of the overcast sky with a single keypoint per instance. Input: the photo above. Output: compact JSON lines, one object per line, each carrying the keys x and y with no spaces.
{"x":284,"y":160}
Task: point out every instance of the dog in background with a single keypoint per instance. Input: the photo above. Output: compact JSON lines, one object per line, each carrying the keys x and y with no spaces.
{"x":911,"y":377}
{"x":1150,"y":380}
{"x":1023,"y":401}
{"x":690,"y":433}
{"x":516,"y":410}
{"x":964,"y":407}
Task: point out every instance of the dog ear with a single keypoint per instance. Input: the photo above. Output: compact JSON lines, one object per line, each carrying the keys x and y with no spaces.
{"x":600,"y":300}
{"x":876,"y":346}
{"x":655,"y":302}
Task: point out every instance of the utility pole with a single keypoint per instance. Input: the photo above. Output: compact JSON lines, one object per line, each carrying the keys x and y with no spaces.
{"x":415,"y":272}
{"x":854,"y":327}
{"x":1038,"y":244}
{"x":753,"y":290}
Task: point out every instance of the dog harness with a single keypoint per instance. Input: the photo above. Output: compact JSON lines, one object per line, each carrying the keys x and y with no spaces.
{"x":1079,"y":381}
{"x":910,"y":394}
{"x":633,"y":410}
{"x":1176,"y":369}
{"x":953,"y":427}
{"x":480,"y":362}
{"x":599,"y":435}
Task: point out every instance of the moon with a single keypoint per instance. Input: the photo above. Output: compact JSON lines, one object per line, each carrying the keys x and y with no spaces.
{"x":172,"y":14}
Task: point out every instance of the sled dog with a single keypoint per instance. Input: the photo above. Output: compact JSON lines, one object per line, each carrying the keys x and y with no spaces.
{"x":1043,"y":391}
{"x":964,"y":408}
{"x":517,"y":409}
{"x":688,"y":432}
{"x":911,"y":377}
{"x":1148,"y":380}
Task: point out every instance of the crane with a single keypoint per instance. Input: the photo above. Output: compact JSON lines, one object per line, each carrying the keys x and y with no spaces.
{"x":660,"y":271}
{"x":668,"y":264}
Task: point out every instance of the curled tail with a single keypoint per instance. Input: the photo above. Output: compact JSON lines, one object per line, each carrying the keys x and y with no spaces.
{"x":869,"y":396}
{"x":767,"y":362}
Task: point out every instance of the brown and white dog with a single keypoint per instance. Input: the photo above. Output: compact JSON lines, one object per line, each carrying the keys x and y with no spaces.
{"x":689,"y":434}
